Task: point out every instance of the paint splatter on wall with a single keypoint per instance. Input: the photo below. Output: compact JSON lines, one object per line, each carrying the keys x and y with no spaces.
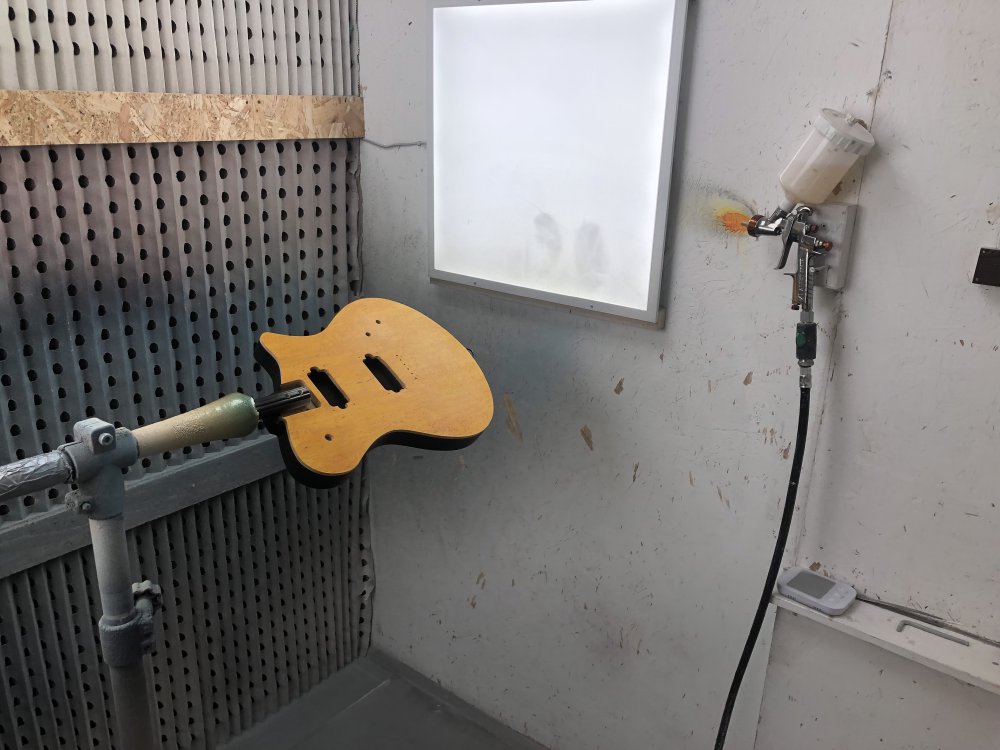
{"x":730,"y":216}
{"x":724,"y":211}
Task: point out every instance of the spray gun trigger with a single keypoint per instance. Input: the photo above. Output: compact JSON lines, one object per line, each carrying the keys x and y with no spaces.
{"x":785,"y":250}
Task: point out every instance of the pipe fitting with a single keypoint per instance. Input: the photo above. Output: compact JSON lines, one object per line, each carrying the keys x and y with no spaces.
{"x":125,"y":640}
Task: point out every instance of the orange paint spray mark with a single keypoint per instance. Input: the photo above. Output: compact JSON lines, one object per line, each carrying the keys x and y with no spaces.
{"x":725,"y":215}
{"x":733,"y":222}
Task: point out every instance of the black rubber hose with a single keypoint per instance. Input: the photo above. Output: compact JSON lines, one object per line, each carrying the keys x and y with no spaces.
{"x":772,"y":571}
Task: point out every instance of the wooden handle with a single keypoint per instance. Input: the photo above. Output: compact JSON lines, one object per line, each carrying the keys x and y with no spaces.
{"x":231,"y":416}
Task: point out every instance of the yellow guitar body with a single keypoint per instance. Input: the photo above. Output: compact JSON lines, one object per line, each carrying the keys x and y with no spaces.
{"x":380,"y":373}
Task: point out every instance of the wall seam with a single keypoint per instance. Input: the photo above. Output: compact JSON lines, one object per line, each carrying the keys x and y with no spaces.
{"x":838,"y":317}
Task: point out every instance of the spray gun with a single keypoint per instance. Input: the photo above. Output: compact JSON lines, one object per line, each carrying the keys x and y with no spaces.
{"x":795,"y":228}
{"x":834,"y":144}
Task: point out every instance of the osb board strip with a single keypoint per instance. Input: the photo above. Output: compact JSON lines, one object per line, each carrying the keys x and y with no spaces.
{"x":40,"y":118}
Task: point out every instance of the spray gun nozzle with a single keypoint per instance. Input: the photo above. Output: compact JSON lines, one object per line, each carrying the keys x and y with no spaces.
{"x":760,"y":225}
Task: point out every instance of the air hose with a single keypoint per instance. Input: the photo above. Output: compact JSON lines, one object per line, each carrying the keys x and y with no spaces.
{"x":772,"y":572}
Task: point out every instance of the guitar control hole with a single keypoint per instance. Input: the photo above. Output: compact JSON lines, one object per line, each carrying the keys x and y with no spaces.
{"x":328,"y":437}
{"x":331,"y":392}
{"x":383,"y":374}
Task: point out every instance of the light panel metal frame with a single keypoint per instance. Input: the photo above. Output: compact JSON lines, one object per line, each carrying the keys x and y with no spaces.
{"x":652,"y":312}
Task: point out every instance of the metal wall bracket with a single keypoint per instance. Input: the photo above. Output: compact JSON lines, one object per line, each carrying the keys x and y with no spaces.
{"x":835,"y":222}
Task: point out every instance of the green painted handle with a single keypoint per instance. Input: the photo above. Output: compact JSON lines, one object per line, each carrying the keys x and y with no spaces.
{"x":231,"y":416}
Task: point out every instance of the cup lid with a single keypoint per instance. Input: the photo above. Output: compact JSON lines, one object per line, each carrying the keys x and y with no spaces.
{"x":844,"y":131}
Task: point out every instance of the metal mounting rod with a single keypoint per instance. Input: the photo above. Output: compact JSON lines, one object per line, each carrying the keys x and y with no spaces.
{"x":126,"y":625}
{"x":282,"y":402}
{"x":126,"y":632}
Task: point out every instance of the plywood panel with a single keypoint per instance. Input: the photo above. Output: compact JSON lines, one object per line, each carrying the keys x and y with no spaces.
{"x":34,"y":118}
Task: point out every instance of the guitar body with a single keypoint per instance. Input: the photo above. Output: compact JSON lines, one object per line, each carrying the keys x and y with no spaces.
{"x":380,"y":373}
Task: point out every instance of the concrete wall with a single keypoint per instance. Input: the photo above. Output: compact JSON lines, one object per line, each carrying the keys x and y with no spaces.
{"x":595,"y":593}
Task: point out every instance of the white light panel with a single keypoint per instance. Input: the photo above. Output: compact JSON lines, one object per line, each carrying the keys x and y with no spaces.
{"x":553,"y":129}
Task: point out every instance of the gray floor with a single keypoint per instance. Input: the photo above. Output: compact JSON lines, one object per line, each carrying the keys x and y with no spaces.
{"x":379,"y":704}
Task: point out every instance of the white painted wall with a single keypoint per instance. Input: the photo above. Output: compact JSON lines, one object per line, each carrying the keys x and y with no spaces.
{"x":904,"y":498}
{"x":598,"y":597}
{"x":829,"y":691}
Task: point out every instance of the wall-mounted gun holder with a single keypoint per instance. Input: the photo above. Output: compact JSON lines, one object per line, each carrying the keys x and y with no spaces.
{"x":987,"y":267}
{"x":824,"y":236}
{"x":835,"y":222}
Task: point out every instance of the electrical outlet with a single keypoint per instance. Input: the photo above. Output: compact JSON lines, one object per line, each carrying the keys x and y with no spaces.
{"x":836,"y":225}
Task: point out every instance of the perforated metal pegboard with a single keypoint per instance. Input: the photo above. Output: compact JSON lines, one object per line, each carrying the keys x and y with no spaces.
{"x":134,"y":281}
{"x":204,"y":46}
{"x":126,"y":265}
{"x":255,"y":615}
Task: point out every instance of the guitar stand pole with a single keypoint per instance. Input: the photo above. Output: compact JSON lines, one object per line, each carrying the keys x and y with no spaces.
{"x":98,"y":458}
{"x":126,"y":628}
{"x":96,"y":462}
